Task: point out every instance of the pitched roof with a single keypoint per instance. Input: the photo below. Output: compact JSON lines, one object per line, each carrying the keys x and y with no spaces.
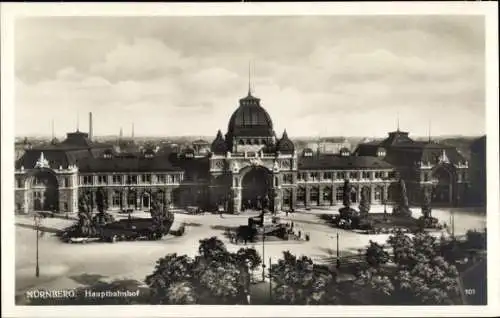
{"x":127,"y":163}
{"x":329,"y":161}
{"x":55,"y":157}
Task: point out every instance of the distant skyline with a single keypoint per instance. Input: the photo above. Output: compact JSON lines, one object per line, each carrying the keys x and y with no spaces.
{"x":316,"y":76}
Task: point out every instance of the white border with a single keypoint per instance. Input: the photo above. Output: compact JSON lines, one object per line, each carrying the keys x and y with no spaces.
{"x":11,"y":10}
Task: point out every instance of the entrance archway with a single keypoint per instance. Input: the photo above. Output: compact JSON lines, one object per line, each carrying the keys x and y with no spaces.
{"x":44,"y":191}
{"x":443,"y":188}
{"x":255,"y":188}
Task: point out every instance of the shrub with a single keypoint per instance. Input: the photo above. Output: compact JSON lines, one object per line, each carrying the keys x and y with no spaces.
{"x":428,"y":222}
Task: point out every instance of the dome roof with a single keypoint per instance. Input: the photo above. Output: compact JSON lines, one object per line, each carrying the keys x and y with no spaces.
{"x":219,"y":144}
{"x":250,"y":119}
{"x":285,"y":144}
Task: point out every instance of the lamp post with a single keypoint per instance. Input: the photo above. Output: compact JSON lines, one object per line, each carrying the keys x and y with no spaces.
{"x":338,"y":252}
{"x":37,"y":227}
{"x":263,"y":254}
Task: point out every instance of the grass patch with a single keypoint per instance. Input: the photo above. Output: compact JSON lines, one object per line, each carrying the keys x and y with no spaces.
{"x":380,"y":221}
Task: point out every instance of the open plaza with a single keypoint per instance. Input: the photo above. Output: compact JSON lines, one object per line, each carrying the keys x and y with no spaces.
{"x":62,"y":265}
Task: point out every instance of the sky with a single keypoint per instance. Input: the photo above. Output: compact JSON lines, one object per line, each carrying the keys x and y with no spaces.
{"x":316,"y":76}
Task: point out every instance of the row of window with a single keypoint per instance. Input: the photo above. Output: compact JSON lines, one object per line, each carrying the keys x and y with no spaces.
{"x":314,"y":194}
{"x":329,"y":175}
{"x":131,"y":179}
{"x":37,"y":182}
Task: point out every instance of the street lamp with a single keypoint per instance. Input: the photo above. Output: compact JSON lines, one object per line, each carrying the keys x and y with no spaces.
{"x":37,"y":227}
{"x":263,"y":254}
{"x":338,"y":252}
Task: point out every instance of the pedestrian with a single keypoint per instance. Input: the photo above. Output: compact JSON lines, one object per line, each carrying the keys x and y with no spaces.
{"x":286,"y":212}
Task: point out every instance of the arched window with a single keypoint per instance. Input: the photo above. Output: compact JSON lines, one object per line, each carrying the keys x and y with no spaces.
{"x":327,"y":195}
{"x":339,"y":194}
{"x":301,"y":195}
{"x":116,"y":199}
{"x":314,"y":195}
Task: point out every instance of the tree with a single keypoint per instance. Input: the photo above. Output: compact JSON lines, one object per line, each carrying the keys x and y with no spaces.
{"x":161,"y":215}
{"x":250,"y":257}
{"x":169,"y":270}
{"x":85,"y":226}
{"x":298,"y":281}
{"x":181,"y":293}
{"x":364,"y":204}
{"x":214,"y":276}
{"x":375,"y":286}
{"x":402,"y":207}
{"x":346,"y":197}
{"x":102,"y":206}
{"x":212,"y":248}
{"x":423,"y":276}
{"x":376,"y":255}
{"x":426,"y":203}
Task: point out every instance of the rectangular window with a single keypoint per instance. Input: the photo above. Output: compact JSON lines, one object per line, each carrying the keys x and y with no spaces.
{"x":87,"y":180}
{"x":314,"y":176}
{"x":132,"y":179}
{"x":287,"y":179}
{"x":161,"y":178}
{"x":116,"y":199}
{"x":117,"y":179}
{"x":146,"y":178}
{"x":102,"y":179}
{"x":327,"y":175}
{"x":341,"y":175}
{"x":20,"y":183}
{"x":354,"y":175}
{"x":366,"y":175}
{"x":379,"y":174}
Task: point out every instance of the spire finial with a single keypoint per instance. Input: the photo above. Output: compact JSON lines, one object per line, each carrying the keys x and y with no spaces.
{"x":249,"y":80}
{"x":52,"y":128}
{"x":133,"y":133}
{"x":77,"y":121}
{"x":429,"y":130}
{"x":398,"y":121}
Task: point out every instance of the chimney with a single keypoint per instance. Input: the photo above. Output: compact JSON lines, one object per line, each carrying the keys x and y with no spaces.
{"x":91,"y":134}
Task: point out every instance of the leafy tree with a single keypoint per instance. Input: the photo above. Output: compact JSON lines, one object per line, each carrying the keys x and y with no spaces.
{"x":402,"y":207}
{"x":161,"y":215}
{"x":426,"y":203}
{"x":423,"y":276}
{"x":249,"y":256}
{"x":181,"y":293}
{"x":214,"y":276}
{"x":432,"y":282}
{"x":376,"y":255}
{"x":364,"y":204}
{"x":476,"y":239}
{"x":298,"y":281}
{"x":376,"y":286}
{"x":102,"y":206}
{"x":212,"y":248}
{"x":346,"y":197}
{"x":85,"y":226}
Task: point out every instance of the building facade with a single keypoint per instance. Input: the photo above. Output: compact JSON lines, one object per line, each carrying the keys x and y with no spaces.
{"x":243,"y":169}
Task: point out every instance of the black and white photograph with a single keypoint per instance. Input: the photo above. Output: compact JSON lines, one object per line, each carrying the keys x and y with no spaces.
{"x":256,"y":159}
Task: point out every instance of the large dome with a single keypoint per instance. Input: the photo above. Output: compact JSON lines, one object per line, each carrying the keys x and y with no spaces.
{"x":250,"y":120}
